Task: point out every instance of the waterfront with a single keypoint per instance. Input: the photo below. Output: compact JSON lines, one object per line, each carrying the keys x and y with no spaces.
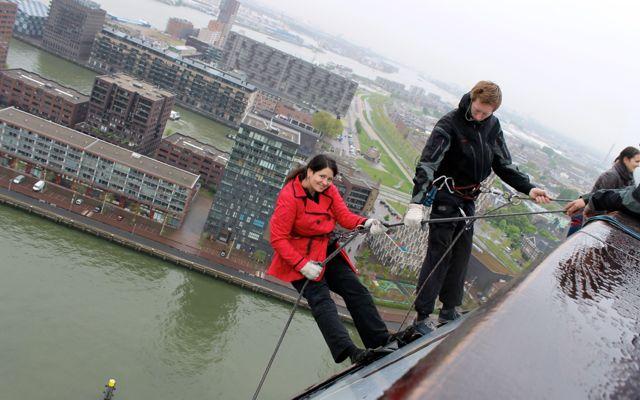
{"x":77,"y":310}
{"x":23,"y":55}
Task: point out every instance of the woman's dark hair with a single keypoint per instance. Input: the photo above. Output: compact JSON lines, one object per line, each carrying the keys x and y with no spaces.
{"x":627,"y":152}
{"x":317,"y":163}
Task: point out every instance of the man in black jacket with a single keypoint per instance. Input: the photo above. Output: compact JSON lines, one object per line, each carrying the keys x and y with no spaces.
{"x":463,"y":149}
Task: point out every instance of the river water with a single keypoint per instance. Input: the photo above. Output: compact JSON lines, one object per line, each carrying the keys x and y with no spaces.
{"x":76,"y":310}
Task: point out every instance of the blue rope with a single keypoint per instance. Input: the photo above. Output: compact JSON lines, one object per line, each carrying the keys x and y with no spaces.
{"x":617,"y":224}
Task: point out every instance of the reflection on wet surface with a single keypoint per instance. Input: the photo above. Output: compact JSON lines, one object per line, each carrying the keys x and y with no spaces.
{"x":570,"y":329}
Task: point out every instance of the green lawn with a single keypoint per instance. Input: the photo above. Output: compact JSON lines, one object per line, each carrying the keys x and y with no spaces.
{"x":391,"y":176}
{"x":388,"y":132}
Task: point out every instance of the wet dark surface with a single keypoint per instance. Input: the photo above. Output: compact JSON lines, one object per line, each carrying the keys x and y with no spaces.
{"x":568,"y":330}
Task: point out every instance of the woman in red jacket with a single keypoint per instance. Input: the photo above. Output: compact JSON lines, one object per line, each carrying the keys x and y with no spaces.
{"x":306,"y":212}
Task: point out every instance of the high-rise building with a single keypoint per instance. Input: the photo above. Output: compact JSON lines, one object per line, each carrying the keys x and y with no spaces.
{"x":40,"y":96}
{"x":94,"y":168}
{"x":197,"y":86}
{"x":30,"y":18}
{"x":128,"y":113}
{"x":261,"y":158}
{"x":7,"y":19}
{"x":194,"y":156}
{"x":179,"y":28}
{"x":71,"y":28}
{"x":287,"y":76}
{"x":224,"y":22}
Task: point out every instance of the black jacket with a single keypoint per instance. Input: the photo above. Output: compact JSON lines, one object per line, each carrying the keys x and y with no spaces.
{"x":466,"y":151}
{"x":617,"y":177}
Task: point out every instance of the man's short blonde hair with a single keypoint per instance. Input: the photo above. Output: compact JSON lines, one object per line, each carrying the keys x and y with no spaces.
{"x":488,"y":93}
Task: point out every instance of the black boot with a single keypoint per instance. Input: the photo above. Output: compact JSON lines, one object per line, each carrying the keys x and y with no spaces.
{"x":448,"y":315}
{"x":365,"y":356}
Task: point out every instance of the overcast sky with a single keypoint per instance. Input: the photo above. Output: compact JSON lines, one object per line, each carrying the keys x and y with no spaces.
{"x":572,"y":65}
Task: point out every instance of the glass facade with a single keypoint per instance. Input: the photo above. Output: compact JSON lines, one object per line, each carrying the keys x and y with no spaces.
{"x":254,"y":175}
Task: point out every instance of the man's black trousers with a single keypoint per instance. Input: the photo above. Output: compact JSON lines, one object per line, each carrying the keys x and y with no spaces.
{"x":447,"y":281}
{"x":339,"y":278}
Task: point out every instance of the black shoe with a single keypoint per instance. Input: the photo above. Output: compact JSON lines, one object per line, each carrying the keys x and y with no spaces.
{"x":424,"y":327}
{"x":366,"y":356}
{"x":448,"y":315}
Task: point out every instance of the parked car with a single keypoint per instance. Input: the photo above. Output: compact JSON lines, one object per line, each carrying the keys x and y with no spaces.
{"x":97,"y":209}
{"x":78,"y":201}
{"x":19,"y":179}
{"x":39,"y":186}
{"x":120,"y":217}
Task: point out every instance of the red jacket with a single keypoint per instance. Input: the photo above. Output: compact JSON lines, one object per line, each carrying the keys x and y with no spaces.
{"x":300,"y":229}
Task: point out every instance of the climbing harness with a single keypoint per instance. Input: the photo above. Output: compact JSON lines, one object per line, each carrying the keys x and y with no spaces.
{"x":437,"y":185}
{"x":347,"y":237}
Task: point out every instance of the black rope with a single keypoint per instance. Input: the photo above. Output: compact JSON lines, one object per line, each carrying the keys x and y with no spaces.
{"x":349,"y":237}
{"x":475,"y":217}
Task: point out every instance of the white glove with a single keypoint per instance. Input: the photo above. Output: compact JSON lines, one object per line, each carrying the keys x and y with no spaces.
{"x":375,"y":226}
{"x":413,"y":217}
{"x":311,"y":270}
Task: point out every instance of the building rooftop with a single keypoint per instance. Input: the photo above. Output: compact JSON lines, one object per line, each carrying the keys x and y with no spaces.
{"x":181,"y":60}
{"x":52,"y":87}
{"x":82,"y":141}
{"x":33,"y":8}
{"x":129,"y":83}
{"x":272,"y":127}
{"x":197,"y":147}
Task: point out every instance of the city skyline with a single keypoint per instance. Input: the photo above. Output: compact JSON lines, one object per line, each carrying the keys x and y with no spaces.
{"x":565,"y":65}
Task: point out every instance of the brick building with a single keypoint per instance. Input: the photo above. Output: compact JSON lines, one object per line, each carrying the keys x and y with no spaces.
{"x":8,"y":12}
{"x":128,"y":113}
{"x":179,"y":28}
{"x":71,"y":28}
{"x":197,"y":86}
{"x":40,"y":96}
{"x":191,"y":155}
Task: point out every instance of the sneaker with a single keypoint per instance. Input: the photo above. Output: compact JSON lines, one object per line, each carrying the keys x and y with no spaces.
{"x":424,"y":327}
{"x":448,"y":315}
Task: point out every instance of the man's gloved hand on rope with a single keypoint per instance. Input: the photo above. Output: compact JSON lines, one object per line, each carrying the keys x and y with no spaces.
{"x":311,"y":270}
{"x":413,"y":217}
{"x":375,"y":226}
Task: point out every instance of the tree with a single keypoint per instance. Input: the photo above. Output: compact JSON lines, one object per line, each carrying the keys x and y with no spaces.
{"x":324,"y":122}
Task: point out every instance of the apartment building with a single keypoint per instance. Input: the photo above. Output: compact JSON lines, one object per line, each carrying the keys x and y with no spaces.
{"x":94,"y":168}
{"x":261,"y":158}
{"x":287,"y":76}
{"x":197,"y":86}
{"x":194,"y":156}
{"x":128,"y":113}
{"x":71,"y":28}
{"x":43,"y":97}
